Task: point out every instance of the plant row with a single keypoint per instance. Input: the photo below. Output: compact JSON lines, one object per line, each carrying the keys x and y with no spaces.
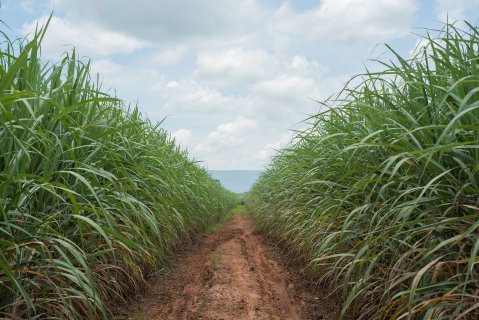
{"x":378,"y":198}
{"x":93,"y":196}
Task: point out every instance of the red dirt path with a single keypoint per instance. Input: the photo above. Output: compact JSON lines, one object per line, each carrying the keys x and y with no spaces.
{"x":231,"y":274}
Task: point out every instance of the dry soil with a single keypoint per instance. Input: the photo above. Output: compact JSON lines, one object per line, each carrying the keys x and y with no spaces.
{"x":232,"y":274}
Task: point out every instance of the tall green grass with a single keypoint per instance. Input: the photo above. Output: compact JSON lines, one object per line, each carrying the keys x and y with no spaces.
{"x":379,"y":197}
{"x":93,"y":196}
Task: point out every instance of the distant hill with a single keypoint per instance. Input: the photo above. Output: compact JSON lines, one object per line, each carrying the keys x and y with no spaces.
{"x":236,"y":180}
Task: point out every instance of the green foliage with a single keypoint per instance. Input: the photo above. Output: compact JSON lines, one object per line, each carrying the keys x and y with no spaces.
{"x":225,"y":218}
{"x":92,"y":195}
{"x":239,"y":210}
{"x":380,"y":195}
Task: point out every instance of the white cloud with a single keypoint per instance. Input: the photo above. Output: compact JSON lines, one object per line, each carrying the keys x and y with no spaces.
{"x":129,"y":81}
{"x":337,"y":21}
{"x":182,"y":136}
{"x":235,"y":65}
{"x":240,"y":144}
{"x":287,"y":89}
{"x":226,"y":136}
{"x":105,"y":67}
{"x":171,"y":56}
{"x":173,"y":84}
{"x":236,"y":126}
{"x":191,"y":96}
{"x":165,"y":21}
{"x":27,"y":5}
{"x":302,"y":65}
{"x":87,"y":38}
{"x":242,"y":21}
{"x":270,"y":149}
{"x":455,"y":10}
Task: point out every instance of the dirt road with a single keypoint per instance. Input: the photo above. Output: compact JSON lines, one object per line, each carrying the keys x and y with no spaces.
{"x":231,"y":274}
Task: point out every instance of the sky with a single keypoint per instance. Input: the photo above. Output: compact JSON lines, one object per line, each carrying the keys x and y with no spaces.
{"x":230,"y":79}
